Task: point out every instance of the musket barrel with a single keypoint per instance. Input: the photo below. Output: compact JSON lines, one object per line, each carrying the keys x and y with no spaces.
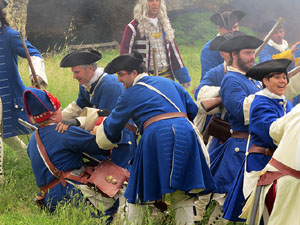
{"x":268,"y":37}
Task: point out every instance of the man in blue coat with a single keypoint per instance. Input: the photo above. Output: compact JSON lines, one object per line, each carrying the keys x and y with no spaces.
{"x":97,"y":90}
{"x":209,"y":88}
{"x":170,"y":157}
{"x":236,"y":92}
{"x":63,"y":151}
{"x":12,"y":86}
{"x":227,"y":21}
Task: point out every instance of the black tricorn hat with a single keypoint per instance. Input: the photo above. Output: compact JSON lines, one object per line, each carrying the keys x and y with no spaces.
{"x":227,"y":18}
{"x":126,"y":62}
{"x":267,"y":26}
{"x":3,"y":4}
{"x":80,"y":58}
{"x":240,"y":42}
{"x":217,"y":41}
{"x":259,"y":71}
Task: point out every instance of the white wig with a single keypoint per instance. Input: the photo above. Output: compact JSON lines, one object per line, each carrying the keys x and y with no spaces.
{"x":140,"y":13}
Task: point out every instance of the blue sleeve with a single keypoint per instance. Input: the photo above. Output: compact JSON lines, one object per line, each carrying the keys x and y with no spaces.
{"x":209,"y":59}
{"x":17,"y":46}
{"x":262,"y":115}
{"x":79,"y":140}
{"x":116,"y":121}
{"x":266,"y":54}
{"x":182,"y":75}
{"x":233,"y":96}
{"x":213,"y":77}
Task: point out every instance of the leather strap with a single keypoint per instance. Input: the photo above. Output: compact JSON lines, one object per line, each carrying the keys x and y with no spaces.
{"x":270,"y":176}
{"x":261,"y":150}
{"x":237,"y":134}
{"x":163,"y":116}
{"x":132,"y":128}
{"x":57,"y":173}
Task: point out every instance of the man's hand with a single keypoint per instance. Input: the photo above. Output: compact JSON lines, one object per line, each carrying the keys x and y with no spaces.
{"x":33,"y":83}
{"x":94,"y":131}
{"x":295,"y":47}
{"x":62,"y":126}
{"x":103,"y":112}
{"x":186,"y":85}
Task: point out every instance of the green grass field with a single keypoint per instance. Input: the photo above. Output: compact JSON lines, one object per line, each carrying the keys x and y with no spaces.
{"x":18,"y":188}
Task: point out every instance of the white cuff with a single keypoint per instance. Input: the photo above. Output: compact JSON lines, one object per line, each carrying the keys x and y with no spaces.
{"x":72,"y":111}
{"x":293,"y":87}
{"x":88,"y":118}
{"x":102,"y":140}
{"x":39,"y":67}
{"x":246,"y":108}
{"x":207,"y":92}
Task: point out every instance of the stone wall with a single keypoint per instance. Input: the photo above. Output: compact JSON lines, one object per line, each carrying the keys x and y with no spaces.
{"x":16,"y":13}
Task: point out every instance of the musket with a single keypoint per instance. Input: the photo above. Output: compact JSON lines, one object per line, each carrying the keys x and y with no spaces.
{"x":255,"y":205}
{"x":37,"y":84}
{"x":155,"y":69}
{"x":268,"y":37}
{"x":294,"y":71}
{"x":26,"y":124}
{"x":211,"y":103}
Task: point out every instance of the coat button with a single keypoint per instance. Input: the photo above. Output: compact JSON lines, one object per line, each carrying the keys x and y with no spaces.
{"x":237,"y":149}
{"x":22,"y":109}
{"x":16,"y":106}
{"x":129,"y":142}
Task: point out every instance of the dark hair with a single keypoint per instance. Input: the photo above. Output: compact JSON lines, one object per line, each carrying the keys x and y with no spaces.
{"x":141,"y":68}
{"x":270,"y":75}
{"x":3,"y":20}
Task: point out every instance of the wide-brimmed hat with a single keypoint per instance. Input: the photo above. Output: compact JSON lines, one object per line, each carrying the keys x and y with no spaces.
{"x":80,"y":58}
{"x":217,"y":41}
{"x":267,"y":26}
{"x":39,"y":104}
{"x":227,"y":18}
{"x":126,"y":62}
{"x":259,"y":71}
{"x":240,"y":42}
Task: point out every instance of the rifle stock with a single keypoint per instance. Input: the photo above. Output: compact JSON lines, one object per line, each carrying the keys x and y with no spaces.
{"x":211,"y":103}
{"x":294,"y":71}
{"x":154,"y":62}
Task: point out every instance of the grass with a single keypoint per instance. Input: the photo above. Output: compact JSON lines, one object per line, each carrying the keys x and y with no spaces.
{"x":18,"y":188}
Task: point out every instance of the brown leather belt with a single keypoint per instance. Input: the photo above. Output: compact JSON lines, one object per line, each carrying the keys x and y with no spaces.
{"x":132,"y":128}
{"x":270,"y":176}
{"x":261,"y":150}
{"x":237,"y":134}
{"x":163,"y":116}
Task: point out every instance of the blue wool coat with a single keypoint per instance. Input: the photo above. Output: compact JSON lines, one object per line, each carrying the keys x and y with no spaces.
{"x":209,"y":59}
{"x":263,"y":112}
{"x":213,"y":77}
{"x":64,"y":151}
{"x":106,"y":96}
{"x":168,"y":156}
{"x":226,"y":160}
{"x":12,"y":86}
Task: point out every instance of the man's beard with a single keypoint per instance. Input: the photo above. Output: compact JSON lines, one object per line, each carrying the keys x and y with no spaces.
{"x":242,"y":64}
